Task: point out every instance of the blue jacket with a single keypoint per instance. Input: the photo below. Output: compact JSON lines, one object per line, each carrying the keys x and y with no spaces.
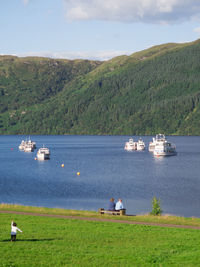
{"x":111,"y":205}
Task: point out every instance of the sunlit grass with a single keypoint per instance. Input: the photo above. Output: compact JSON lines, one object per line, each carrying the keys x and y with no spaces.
{"x":71,"y":242}
{"x":164,"y":219}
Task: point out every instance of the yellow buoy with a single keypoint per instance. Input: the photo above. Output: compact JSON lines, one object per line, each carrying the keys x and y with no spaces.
{"x":78,"y":173}
{"x":62,"y":165}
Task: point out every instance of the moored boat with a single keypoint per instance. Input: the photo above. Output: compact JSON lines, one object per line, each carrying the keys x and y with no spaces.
{"x":159,"y":138}
{"x":130,"y":145}
{"x":140,"y":144}
{"x":43,"y":153}
{"x":27,"y":146}
{"x":164,"y":148}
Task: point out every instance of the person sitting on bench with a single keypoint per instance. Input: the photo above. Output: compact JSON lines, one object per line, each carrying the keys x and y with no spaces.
{"x":119,"y":205}
{"x":111,"y":205}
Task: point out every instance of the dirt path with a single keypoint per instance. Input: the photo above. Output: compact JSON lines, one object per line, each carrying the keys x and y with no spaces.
{"x":100,"y":219}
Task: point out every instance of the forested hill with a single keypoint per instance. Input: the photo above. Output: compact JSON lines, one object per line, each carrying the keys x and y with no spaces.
{"x":152,"y":91}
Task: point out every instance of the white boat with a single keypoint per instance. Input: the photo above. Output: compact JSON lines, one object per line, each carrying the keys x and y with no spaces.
{"x":130,"y":145}
{"x":140,"y":144}
{"x":43,"y":153}
{"x":159,"y":138}
{"x":152,"y":144}
{"x":164,"y":147}
{"x":27,"y":146}
{"x":22,"y":145}
{"x":31,"y":143}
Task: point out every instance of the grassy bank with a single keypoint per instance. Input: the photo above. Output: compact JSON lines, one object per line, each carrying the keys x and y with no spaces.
{"x":69,"y":242}
{"x":165,"y":219}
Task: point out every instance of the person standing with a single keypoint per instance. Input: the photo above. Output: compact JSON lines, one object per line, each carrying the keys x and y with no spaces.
{"x":14,"y":230}
{"x":119,"y":205}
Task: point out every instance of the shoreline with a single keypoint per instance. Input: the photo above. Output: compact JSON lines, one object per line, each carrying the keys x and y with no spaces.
{"x":101,"y":220}
{"x":150,"y":220}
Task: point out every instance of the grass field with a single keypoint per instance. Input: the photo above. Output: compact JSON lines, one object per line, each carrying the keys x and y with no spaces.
{"x":71,"y":242}
{"x":165,"y":219}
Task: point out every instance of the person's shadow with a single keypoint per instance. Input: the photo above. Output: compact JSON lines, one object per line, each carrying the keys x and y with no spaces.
{"x":32,"y":239}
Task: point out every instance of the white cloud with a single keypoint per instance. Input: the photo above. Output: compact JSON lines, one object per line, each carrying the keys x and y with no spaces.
{"x":91,"y":55}
{"x":197,"y":30}
{"x":154,"y":11}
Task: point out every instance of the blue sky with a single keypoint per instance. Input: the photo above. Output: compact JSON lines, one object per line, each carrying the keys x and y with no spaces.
{"x":94,"y":29}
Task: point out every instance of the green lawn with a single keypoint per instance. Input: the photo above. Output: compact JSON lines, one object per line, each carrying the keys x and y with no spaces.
{"x":164,"y":219}
{"x":64,"y":242}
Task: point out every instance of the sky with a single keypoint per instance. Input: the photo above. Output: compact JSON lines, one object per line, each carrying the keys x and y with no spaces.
{"x":94,"y":29}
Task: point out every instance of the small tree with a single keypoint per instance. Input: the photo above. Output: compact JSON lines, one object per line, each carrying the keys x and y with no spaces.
{"x":156,"y":209}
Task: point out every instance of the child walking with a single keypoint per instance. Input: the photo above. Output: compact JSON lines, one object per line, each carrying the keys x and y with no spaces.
{"x":14,"y":230}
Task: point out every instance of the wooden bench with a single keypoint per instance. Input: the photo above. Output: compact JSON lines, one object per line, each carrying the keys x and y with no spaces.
{"x":113,"y":212}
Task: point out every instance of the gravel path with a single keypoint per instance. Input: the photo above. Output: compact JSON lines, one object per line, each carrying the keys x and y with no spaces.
{"x":100,"y":219}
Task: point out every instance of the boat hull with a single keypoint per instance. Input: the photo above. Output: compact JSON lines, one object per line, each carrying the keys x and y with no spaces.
{"x":28,"y":149}
{"x":43,"y":153}
{"x":130,"y":147}
{"x":151,"y":147}
{"x":140,"y":148}
{"x":43,"y":156}
{"x":164,"y":154}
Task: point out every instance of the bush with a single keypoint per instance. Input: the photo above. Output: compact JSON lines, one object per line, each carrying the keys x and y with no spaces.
{"x":156,"y":209}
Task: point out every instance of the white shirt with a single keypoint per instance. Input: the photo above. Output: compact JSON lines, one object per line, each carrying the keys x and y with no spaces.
{"x":119,"y":205}
{"x":14,"y":230}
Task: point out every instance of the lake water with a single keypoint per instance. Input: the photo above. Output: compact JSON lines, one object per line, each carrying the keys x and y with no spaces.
{"x":106,"y":170}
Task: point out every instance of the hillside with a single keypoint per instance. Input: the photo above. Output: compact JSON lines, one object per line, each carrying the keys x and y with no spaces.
{"x":155,"y":90}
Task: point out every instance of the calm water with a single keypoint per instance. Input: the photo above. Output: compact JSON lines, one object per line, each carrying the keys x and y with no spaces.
{"x":106,"y":170}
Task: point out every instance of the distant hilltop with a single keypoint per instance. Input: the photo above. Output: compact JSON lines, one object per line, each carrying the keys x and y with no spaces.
{"x":152,"y":91}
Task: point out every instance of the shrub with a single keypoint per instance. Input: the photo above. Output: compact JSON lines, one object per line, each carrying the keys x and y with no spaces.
{"x":156,"y":208}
